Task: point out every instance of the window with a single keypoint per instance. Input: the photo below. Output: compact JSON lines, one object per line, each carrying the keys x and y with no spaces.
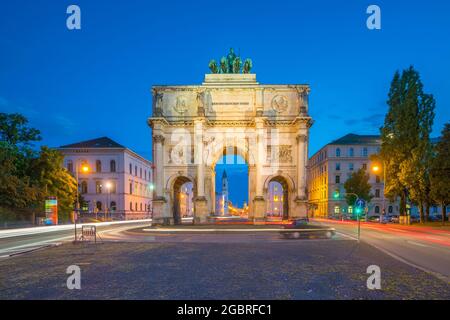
{"x":131,"y":187}
{"x":338,"y":152}
{"x":364,"y":153}
{"x":135,"y":171}
{"x":112,"y":166}
{"x":140,"y":172}
{"x":131,"y":206}
{"x":377,"y":193}
{"x":364,"y":166}
{"x":351,"y":152}
{"x":113,"y":206}
{"x":135,"y":206}
{"x":337,"y":179}
{"x":98,"y":166}
{"x":98,"y":187}
{"x":377,"y":179}
{"x":98,"y":205}
{"x":337,"y":209}
{"x":390,"y":209}
{"x":145,"y":174}
{"x":141,"y":206}
{"x":377,"y":209}
{"x":350,"y":209}
{"x":350,"y":166}
{"x":84,"y":187}
{"x":338,"y":166}
{"x":70,"y":166}
{"x":131,"y":169}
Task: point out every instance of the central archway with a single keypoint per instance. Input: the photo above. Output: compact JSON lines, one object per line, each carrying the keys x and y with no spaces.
{"x":230,"y":172}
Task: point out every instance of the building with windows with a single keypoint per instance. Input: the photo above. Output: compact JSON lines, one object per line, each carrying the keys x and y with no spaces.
{"x":331,"y":166}
{"x":113,"y":180}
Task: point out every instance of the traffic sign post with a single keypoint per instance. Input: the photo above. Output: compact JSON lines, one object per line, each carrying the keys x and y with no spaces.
{"x":360,"y":205}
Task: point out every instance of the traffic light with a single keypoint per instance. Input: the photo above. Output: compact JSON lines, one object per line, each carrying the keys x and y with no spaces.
{"x":358,"y":210}
{"x":336,"y":195}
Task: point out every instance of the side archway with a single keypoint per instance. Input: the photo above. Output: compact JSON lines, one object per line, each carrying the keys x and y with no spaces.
{"x":182,"y":191}
{"x":278,"y":189}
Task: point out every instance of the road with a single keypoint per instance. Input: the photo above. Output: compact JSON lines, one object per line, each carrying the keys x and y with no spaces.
{"x":14,"y":241}
{"x":425,"y":248}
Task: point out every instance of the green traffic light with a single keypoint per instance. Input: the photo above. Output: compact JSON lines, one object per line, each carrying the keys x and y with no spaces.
{"x":336,"y":195}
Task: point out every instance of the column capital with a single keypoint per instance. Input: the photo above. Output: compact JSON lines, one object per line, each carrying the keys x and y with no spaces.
{"x":302,"y":138}
{"x":159,"y":138}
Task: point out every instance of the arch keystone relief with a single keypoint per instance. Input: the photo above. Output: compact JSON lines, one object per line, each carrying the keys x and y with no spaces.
{"x":193,"y":126}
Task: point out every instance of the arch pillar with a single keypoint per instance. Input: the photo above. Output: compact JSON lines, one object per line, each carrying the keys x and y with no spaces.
{"x":259,"y":203}
{"x":159,"y":202}
{"x":200,"y":202}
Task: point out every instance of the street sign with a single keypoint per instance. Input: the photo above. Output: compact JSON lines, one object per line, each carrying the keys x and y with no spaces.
{"x":89,"y":233}
{"x":360,"y":203}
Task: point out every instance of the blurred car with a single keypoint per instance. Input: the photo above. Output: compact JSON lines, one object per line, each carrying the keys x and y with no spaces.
{"x":394,"y":219}
{"x":433,"y":218}
{"x":297,"y":223}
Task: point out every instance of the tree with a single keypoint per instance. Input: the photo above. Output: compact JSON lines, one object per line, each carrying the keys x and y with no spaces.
{"x":358,"y":183}
{"x":14,"y":130}
{"x":27,"y":177}
{"x":405,"y":139}
{"x":16,"y":190}
{"x":48,"y":173}
{"x":440,"y":172}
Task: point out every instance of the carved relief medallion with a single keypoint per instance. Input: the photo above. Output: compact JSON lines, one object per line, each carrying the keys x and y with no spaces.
{"x":177,"y":155}
{"x":279,"y":154}
{"x":280,"y":103}
{"x":181,"y":105}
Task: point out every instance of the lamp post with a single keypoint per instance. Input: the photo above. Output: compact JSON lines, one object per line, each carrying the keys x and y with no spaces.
{"x":336,"y":195}
{"x":376,"y":168}
{"x":84,"y":169}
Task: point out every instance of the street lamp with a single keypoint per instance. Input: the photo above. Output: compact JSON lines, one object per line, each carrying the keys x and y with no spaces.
{"x":376,"y":169}
{"x":84,"y":169}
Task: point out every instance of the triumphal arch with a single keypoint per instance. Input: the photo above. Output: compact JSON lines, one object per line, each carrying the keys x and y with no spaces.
{"x":230,"y":112}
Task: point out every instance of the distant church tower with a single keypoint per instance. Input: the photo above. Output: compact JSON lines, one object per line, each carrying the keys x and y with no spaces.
{"x":225,"y":193}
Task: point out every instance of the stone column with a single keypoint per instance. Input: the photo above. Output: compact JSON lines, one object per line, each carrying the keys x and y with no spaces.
{"x":159,"y":216}
{"x":201,"y":208}
{"x":302,"y":158}
{"x":301,"y":166}
{"x":259,"y":205}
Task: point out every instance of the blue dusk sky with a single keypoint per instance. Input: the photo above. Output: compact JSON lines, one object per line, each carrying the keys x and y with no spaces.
{"x":82,"y":84}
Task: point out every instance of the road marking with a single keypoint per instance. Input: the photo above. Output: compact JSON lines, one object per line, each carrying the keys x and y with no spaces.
{"x":399,"y":230}
{"x":45,"y":229}
{"x":235,"y":230}
{"x":32,"y":245}
{"x":347,"y":236}
{"x":417,"y":243}
{"x":392,"y":255}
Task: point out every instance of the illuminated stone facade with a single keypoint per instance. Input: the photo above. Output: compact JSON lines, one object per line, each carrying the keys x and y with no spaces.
{"x":193,"y":126}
